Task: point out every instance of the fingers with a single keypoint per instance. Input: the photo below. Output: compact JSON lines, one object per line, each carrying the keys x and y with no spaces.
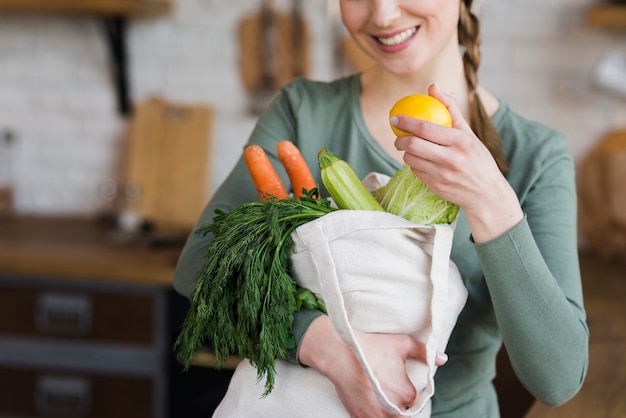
{"x":420,"y":128}
{"x":417,"y":351}
{"x":441,"y":359}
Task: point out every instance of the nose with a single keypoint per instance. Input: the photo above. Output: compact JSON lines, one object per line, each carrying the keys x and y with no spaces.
{"x":384,"y":12}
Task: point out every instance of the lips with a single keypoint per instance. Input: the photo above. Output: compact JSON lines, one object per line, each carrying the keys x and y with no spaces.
{"x":398,"y":38}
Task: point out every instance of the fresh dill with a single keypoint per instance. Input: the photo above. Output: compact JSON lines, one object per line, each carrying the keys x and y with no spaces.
{"x":244,"y":298}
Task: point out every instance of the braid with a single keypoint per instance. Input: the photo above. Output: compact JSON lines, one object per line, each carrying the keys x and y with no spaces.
{"x":469,"y":39}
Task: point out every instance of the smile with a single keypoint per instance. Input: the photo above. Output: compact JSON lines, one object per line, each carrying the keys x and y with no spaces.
{"x":398,"y":38}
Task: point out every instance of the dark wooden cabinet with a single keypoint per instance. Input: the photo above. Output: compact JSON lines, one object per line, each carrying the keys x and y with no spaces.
{"x":75,"y":350}
{"x":60,"y":393}
{"x":87,"y":326}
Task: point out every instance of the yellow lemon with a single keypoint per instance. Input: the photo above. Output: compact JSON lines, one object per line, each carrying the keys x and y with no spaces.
{"x":420,"y":106}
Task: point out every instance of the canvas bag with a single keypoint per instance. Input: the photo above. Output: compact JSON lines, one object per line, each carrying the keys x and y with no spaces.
{"x":376,"y":272}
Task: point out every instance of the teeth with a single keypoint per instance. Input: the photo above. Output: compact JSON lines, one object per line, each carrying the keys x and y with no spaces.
{"x":397,"y":38}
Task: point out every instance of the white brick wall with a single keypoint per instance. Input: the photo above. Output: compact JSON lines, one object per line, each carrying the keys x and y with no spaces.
{"x":57,"y":96}
{"x":540,"y":58}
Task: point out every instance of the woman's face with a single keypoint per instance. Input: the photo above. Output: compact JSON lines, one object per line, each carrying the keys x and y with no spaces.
{"x":403,"y":35}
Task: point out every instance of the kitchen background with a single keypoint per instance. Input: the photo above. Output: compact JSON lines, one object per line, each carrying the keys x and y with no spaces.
{"x":58,"y":101}
{"x":62,"y":145}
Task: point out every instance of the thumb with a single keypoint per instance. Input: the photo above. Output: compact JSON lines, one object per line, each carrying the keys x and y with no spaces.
{"x":458,"y":121}
{"x":417,"y":351}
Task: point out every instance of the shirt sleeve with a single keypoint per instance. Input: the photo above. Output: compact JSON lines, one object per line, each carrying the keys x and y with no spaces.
{"x":533,"y":276}
{"x":301,"y":321}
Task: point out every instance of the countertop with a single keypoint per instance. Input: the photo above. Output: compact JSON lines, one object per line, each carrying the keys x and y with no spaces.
{"x":83,"y":249}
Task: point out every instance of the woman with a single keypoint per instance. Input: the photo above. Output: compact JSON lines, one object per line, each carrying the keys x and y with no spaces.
{"x":515,"y":240}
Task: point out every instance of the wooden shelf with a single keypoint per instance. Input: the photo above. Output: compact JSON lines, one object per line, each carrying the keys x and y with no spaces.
{"x":99,"y":7}
{"x":607,"y":16}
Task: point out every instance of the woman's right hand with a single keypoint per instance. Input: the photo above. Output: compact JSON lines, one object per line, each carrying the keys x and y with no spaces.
{"x":321,"y":348}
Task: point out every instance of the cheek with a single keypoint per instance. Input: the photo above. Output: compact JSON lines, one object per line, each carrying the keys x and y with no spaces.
{"x":444,"y":24}
{"x":449,"y":14}
{"x":442,"y":7}
{"x":444,"y":12}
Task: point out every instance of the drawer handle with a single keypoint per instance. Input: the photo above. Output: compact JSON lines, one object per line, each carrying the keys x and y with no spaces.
{"x":62,"y":314}
{"x":63,"y":396}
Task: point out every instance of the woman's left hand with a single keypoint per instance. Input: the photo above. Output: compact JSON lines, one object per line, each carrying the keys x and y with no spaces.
{"x":456,"y":165}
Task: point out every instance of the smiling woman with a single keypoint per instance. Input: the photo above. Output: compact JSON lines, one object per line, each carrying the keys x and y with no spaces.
{"x":406,"y":36}
{"x":515,"y":240}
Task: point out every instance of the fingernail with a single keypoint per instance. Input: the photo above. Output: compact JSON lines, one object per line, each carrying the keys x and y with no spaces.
{"x":442,"y":358}
{"x":394,"y":120}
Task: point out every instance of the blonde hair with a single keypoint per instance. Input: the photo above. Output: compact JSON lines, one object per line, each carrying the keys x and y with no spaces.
{"x":469,"y":39}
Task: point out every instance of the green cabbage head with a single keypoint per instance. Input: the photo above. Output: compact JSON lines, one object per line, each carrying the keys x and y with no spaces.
{"x":407,"y":196}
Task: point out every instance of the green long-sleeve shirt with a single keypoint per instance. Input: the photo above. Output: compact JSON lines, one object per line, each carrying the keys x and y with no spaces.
{"x":524,"y":286}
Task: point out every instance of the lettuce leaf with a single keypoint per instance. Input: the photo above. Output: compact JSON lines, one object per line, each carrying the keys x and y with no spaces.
{"x":407,"y":196}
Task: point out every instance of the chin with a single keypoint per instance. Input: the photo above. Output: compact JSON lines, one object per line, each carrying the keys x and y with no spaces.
{"x":403,"y":69}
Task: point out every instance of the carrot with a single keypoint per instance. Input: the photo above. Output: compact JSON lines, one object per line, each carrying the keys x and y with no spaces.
{"x":297,"y":169}
{"x":268,"y":184}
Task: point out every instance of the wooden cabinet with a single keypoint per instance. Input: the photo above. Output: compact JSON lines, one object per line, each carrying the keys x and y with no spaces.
{"x":27,"y":392}
{"x":74,"y":349}
{"x":87,"y":323}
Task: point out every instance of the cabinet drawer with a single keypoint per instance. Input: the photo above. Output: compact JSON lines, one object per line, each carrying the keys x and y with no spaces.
{"x":67,"y":313}
{"x":31,"y":393}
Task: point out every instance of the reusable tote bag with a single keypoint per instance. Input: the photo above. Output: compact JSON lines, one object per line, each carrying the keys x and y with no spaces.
{"x":377,"y":272}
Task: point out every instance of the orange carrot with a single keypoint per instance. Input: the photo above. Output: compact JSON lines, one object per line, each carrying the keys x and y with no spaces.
{"x":297,"y":169}
{"x":268,"y":184}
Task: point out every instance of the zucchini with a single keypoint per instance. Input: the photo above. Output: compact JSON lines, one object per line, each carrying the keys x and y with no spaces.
{"x":344,"y":185}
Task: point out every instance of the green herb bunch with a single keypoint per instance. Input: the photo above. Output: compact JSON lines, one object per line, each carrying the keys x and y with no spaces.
{"x":244,"y":299}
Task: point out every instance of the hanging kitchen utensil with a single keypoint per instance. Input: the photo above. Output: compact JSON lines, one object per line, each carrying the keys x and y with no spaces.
{"x":347,"y":56}
{"x":264,"y":90}
{"x":6,"y":176}
{"x":273,"y":49}
{"x":298,"y":59}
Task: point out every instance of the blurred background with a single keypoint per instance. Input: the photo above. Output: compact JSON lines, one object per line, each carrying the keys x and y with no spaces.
{"x":58,"y":93}
{"x":118,"y":118}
